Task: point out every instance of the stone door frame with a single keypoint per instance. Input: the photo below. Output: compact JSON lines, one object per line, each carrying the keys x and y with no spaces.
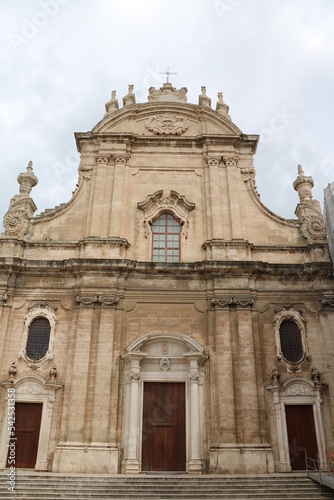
{"x":185,"y":367}
{"x":296,"y":391}
{"x":31,"y":389}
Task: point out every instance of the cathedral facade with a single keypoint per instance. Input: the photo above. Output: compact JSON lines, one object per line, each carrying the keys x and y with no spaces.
{"x":164,"y":319}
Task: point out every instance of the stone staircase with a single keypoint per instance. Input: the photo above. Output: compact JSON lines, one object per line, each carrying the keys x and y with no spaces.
{"x":51,"y":486}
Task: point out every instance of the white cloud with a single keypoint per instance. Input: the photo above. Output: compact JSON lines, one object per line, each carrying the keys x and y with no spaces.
{"x":264,"y":56}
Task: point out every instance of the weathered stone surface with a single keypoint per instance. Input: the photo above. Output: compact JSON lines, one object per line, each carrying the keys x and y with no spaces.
{"x":210,"y":321}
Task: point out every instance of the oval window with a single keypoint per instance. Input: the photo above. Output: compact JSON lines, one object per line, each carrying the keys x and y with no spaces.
{"x":291,"y":341}
{"x":38,"y":339}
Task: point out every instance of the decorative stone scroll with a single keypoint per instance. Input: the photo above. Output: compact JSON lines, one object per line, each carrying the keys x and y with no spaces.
{"x":232,"y":301}
{"x":175,"y":204}
{"x":170,"y":124}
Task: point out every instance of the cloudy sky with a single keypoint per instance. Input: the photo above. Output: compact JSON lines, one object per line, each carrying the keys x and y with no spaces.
{"x":272,"y":59}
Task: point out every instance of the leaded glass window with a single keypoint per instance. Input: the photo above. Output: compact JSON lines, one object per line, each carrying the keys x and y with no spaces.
{"x":38,"y":338}
{"x":291,"y":341}
{"x":166,"y":239}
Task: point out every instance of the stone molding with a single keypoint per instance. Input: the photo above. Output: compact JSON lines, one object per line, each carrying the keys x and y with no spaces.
{"x":176,"y":204}
{"x":167,"y":124}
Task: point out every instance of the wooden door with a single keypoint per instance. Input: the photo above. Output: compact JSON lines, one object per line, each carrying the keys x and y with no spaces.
{"x":301,"y":434}
{"x":27,"y":426}
{"x":164,"y":429}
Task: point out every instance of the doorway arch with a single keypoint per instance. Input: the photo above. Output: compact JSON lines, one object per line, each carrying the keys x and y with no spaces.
{"x":164,"y":358}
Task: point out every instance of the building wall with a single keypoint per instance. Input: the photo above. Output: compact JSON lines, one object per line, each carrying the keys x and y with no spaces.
{"x":88,"y":265}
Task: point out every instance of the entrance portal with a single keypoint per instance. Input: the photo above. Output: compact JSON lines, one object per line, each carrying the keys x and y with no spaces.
{"x":301,"y":434}
{"x":27,"y":426}
{"x":164,"y":436}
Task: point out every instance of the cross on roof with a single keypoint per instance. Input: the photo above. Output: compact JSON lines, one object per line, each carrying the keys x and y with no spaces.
{"x":168,"y":72}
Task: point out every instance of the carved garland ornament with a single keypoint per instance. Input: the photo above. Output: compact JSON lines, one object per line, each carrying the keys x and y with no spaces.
{"x":232,"y":301}
{"x":176,"y":204}
{"x":107,"y":300}
{"x":167,"y":124}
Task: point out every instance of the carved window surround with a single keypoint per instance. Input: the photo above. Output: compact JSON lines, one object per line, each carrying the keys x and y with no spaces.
{"x":32,"y":389}
{"x":290,"y":312}
{"x":175,"y":204}
{"x":296,"y":391}
{"x":38,"y":310}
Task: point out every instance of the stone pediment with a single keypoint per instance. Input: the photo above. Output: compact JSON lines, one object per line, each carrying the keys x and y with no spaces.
{"x":166,"y":119}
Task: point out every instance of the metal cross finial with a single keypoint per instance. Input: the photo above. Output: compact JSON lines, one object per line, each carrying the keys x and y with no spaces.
{"x":168,"y":72}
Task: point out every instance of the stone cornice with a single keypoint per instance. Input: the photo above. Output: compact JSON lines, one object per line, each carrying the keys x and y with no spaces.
{"x":304,"y":272}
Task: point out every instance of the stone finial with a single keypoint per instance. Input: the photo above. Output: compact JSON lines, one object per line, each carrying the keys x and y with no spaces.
{"x":221,"y":107}
{"x":12,"y":370}
{"x":111,"y":105}
{"x":203,"y":99}
{"x":303,"y":185}
{"x":130,"y":98}
{"x":27,"y":180}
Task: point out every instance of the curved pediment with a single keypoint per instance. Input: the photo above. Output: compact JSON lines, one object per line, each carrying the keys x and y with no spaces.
{"x":167,"y":120}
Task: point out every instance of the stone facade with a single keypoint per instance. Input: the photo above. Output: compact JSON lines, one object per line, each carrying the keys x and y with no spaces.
{"x":210,"y":321}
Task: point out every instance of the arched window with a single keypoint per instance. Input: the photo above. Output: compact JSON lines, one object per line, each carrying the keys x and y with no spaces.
{"x":291,"y":341}
{"x":166,"y":239}
{"x":38,"y":338}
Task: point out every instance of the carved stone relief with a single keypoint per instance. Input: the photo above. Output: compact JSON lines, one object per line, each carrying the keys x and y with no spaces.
{"x":175,"y":203}
{"x":170,"y":124}
{"x":232,"y":301}
{"x":107,"y":300}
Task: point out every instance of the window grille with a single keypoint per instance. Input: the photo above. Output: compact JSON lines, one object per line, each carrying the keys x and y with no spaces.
{"x":166,"y":239}
{"x":291,"y":341}
{"x":38,"y":339}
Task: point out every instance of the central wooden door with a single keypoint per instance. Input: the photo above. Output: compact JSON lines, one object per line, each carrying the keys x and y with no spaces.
{"x":301,"y":434}
{"x":164,"y":427}
{"x":27,"y":426}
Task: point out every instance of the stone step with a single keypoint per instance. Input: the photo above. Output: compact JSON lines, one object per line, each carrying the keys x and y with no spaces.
{"x":51,"y":486}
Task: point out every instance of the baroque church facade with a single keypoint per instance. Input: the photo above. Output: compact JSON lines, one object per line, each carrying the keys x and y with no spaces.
{"x":164,"y":319}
